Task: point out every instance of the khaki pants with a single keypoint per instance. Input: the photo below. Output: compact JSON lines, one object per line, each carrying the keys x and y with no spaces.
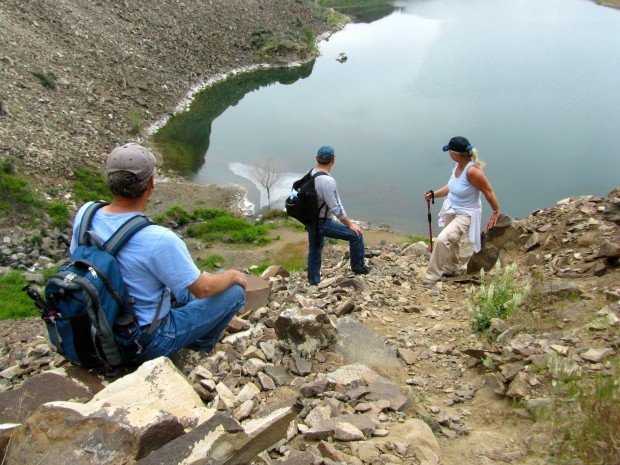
{"x":444,"y":259}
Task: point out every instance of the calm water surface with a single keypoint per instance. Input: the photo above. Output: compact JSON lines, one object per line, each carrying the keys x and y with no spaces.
{"x":534,"y":85}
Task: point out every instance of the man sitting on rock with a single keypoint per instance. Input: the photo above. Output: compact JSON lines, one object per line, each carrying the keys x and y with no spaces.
{"x":331,"y":206}
{"x":156,"y":264}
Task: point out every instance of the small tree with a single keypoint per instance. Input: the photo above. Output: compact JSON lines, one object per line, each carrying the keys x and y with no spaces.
{"x":267,"y":172}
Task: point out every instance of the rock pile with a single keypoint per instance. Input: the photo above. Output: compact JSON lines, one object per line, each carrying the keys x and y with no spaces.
{"x":380,"y":370}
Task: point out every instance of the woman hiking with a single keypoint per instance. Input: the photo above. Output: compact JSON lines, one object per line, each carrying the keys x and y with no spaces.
{"x":461,"y":212}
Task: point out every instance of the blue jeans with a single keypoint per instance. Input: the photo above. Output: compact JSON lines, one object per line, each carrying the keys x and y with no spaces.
{"x":199,"y":323}
{"x":335,"y":230}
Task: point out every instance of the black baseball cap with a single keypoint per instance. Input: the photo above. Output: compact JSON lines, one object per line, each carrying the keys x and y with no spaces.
{"x":458,"y":144}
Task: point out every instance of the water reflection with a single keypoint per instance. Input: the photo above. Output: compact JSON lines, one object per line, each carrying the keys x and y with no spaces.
{"x":184,"y":140}
{"x":366,"y":12}
{"x":520,"y":84}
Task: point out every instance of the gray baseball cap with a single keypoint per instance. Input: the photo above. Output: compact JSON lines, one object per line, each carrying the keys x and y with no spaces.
{"x":133,"y":158}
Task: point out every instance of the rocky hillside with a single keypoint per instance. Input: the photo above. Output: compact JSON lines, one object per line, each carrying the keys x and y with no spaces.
{"x":381,"y":370}
{"x":78,"y":78}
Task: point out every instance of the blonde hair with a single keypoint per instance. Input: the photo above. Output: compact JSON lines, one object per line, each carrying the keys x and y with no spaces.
{"x":473,"y":154}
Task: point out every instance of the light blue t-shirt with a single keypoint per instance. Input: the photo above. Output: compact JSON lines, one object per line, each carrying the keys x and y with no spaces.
{"x":153,"y":262}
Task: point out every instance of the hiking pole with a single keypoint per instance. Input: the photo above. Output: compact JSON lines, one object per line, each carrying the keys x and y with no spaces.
{"x":428,"y":209}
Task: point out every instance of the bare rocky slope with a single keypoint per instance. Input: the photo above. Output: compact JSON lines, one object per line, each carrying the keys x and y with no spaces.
{"x":105,"y":61}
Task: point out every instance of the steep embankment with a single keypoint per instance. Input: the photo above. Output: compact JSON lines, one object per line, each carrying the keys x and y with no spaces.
{"x":81,"y":77}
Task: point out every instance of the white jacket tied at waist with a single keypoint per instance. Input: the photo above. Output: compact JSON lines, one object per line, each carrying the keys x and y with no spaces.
{"x":475,"y":225}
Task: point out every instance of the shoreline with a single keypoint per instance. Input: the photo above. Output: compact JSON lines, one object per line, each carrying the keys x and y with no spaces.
{"x":186,"y":102}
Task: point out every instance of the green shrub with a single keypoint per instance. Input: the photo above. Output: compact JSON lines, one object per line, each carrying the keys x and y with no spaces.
{"x":135,"y":120}
{"x":176,"y":214}
{"x":59,"y":212}
{"x":497,"y":297}
{"x":16,"y":193}
{"x":211,"y":262}
{"x":47,"y":78}
{"x":281,"y":218}
{"x":260,"y":268}
{"x":208,"y":213}
{"x":14,"y":303}
{"x":278,"y":46}
{"x":90,"y":185}
{"x":274,"y":214}
{"x":584,"y":420}
{"x":7,"y":165}
{"x":36,"y":239}
{"x":230,"y":229}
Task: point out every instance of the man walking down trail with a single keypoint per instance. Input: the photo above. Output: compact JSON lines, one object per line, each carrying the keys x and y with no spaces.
{"x":156,"y":264}
{"x":330,"y":207}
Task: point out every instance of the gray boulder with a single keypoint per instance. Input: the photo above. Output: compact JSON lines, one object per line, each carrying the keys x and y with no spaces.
{"x":307,"y":330}
{"x":130,"y":418}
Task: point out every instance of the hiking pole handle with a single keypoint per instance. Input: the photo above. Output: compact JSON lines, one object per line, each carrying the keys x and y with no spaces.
{"x":45,"y":311}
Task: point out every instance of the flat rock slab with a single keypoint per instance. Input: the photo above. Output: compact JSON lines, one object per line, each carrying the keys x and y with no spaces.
{"x":420,"y":440}
{"x":257,"y":293}
{"x":220,"y":441}
{"x":364,"y":423}
{"x":18,"y":404}
{"x":383,"y":389}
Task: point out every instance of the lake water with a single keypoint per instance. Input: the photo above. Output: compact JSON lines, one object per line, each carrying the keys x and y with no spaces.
{"x":534,"y":85}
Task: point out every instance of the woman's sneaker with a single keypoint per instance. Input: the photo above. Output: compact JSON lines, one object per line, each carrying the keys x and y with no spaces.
{"x":364,"y":270}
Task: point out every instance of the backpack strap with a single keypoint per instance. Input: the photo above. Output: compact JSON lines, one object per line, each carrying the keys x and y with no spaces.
{"x":116,"y":242}
{"x":87,"y":218}
{"x":314,"y":176}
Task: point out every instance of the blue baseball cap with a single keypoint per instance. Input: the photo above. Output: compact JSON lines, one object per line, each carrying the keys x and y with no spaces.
{"x":325,"y":153}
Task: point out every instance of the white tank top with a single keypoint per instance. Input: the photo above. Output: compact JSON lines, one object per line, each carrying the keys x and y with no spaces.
{"x":461,"y":192}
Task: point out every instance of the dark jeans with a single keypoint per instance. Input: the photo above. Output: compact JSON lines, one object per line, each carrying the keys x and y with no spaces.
{"x":335,"y":230}
{"x":198,"y":323}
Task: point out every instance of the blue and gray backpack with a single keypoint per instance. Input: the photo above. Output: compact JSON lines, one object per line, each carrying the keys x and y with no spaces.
{"x":88,"y":313}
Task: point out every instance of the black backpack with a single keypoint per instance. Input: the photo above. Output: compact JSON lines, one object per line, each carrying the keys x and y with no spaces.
{"x":88,"y":313}
{"x":303,"y":204}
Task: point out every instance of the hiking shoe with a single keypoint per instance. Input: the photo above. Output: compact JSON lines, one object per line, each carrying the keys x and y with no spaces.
{"x":364,"y":270}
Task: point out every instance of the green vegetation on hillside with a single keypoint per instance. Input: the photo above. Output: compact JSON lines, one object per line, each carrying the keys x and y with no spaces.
{"x":332,"y":18}
{"x":47,"y":78}
{"x":282,"y":47}
{"x":17,"y":195}
{"x":15,"y":192}
{"x":14,"y":303}
{"x":212,"y":262}
{"x":211,"y":225}
{"x":362,"y":10}
{"x":90,"y":185}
